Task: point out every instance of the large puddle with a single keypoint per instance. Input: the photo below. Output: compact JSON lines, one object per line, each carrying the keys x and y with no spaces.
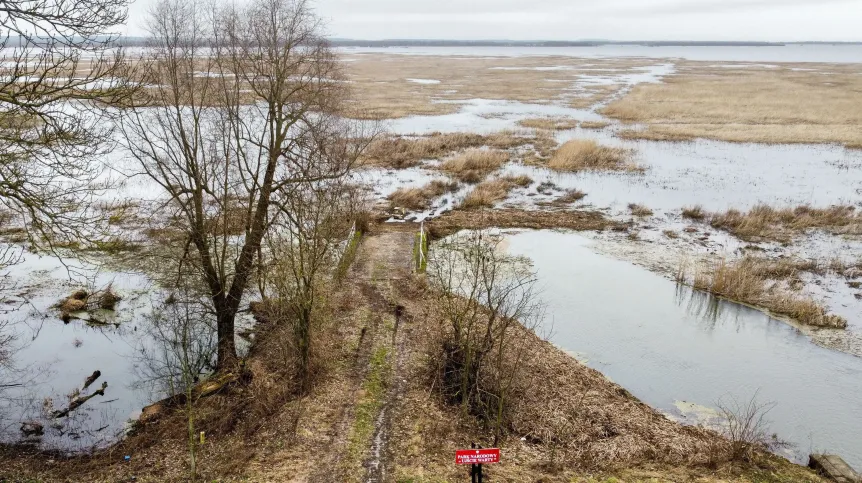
{"x":675,"y":348}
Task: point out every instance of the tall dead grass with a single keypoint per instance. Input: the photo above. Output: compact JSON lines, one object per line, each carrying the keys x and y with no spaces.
{"x":420,"y":198}
{"x":398,"y":152}
{"x":764,"y":222}
{"x":752,"y":281}
{"x":487,"y":193}
{"x":587,"y":154}
{"x":474,"y":165}
{"x":775,"y":105}
{"x":549,"y":123}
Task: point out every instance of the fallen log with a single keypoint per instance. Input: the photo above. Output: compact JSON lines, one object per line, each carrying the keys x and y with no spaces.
{"x":78,"y":402}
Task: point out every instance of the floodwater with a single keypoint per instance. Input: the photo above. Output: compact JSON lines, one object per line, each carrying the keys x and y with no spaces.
{"x":51,"y":359}
{"x":788,"y":53}
{"x":673,"y":347}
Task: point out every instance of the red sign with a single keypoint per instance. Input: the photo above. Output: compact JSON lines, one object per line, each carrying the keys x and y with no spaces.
{"x":477,"y":456}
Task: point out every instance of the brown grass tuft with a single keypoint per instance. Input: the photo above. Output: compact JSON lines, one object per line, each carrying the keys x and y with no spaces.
{"x":595,"y":124}
{"x":420,"y":198}
{"x":549,"y":123}
{"x":488,"y":193}
{"x":586,"y":154}
{"x":751,"y":281}
{"x":474,"y":165}
{"x":640,"y":210}
{"x":694,"y":212}
{"x":398,"y":152}
{"x":521,"y":181}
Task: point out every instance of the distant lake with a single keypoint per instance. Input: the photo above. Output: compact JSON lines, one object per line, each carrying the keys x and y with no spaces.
{"x":828,"y":53}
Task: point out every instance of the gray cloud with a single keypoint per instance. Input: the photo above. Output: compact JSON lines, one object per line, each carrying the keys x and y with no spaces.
{"x":789,"y":20}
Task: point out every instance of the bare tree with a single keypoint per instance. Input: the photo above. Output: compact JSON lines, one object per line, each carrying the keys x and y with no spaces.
{"x":58,"y":70}
{"x":488,"y":299}
{"x":245,"y":103}
{"x":305,"y":247}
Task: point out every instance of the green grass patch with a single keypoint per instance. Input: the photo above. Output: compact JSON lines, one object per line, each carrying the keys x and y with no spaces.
{"x":348,"y":256}
{"x":373,"y":389}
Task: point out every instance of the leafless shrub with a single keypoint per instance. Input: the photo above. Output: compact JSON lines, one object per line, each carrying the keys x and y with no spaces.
{"x":483,"y":294}
{"x":747,"y":427}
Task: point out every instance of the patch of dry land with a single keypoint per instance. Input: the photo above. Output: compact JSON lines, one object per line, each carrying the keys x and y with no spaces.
{"x":786,"y":103}
{"x":394,"y":86}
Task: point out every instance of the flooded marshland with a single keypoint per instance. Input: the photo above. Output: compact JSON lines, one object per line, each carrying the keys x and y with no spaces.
{"x":669,"y":346}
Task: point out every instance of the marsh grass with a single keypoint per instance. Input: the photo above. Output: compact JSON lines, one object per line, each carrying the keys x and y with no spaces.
{"x":399,"y":152}
{"x":594,"y":124}
{"x":420,"y":198}
{"x":587,"y":154}
{"x":639,"y":210}
{"x":487,"y":193}
{"x":474,"y":165}
{"x":752,"y":281}
{"x":777,"y":105}
{"x":764,"y":222}
{"x":549,"y":123}
{"x":695,"y":212}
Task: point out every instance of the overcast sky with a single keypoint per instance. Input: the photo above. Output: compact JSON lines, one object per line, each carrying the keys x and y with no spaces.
{"x":790,"y":20}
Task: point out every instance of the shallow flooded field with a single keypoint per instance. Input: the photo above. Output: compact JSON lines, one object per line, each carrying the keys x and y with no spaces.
{"x":609,"y":296}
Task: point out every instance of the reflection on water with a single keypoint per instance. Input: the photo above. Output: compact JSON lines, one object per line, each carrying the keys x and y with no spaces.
{"x":49,"y":362}
{"x":666,"y":343}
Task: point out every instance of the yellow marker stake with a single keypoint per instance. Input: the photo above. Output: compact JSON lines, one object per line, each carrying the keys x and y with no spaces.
{"x":202,"y":437}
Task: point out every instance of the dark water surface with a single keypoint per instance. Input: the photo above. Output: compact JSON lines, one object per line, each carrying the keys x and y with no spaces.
{"x":666,"y":345}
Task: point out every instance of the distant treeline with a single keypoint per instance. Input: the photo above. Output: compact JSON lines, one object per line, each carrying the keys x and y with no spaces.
{"x":128,"y":41}
{"x":560,"y":43}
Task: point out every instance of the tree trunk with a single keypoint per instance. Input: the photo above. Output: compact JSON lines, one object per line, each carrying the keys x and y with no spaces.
{"x":226,"y":338}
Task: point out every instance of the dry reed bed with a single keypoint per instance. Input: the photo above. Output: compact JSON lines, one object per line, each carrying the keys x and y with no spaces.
{"x":594,"y":124}
{"x":748,"y":104}
{"x":587,"y":154}
{"x":474,"y":165}
{"x":763,"y":222}
{"x":420,"y":198}
{"x":754,"y":282}
{"x":487,"y":193}
{"x":549,"y":123}
{"x":454,"y":221}
{"x":399,"y":152}
{"x":381,"y":89}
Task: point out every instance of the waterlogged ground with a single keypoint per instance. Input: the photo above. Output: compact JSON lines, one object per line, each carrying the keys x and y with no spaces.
{"x":677,"y":349}
{"x":52,"y":359}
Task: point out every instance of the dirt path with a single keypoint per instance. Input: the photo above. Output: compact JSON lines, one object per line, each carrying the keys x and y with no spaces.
{"x":360,"y":437}
{"x":388,"y":261}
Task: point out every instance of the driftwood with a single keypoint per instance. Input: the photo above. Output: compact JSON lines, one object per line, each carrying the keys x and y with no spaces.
{"x":90,"y":380}
{"x":79,"y":401}
{"x":201,"y":390}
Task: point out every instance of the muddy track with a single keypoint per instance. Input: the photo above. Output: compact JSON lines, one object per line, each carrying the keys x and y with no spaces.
{"x":384,"y":261}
